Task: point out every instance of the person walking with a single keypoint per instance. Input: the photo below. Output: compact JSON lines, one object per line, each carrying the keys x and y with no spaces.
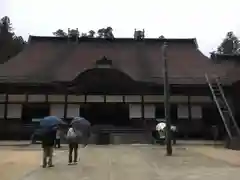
{"x":73,"y":145}
{"x":58,"y":139}
{"x":48,"y":141}
{"x":174,"y":132}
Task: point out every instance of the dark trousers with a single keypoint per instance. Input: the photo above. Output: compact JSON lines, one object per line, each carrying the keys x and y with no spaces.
{"x":73,"y":148}
{"x":174,"y":137}
{"x":57,"y":143}
{"x":47,"y":156}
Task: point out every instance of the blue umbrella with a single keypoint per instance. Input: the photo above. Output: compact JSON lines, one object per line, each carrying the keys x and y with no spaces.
{"x":51,"y":121}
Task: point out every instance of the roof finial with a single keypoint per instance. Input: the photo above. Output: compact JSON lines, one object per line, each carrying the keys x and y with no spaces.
{"x":138,"y":35}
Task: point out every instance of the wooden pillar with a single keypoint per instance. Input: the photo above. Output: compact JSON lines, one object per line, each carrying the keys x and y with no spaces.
{"x":46,"y":98}
{"x":65,"y":105}
{"x":189,"y":108}
{"x":6,"y":106}
{"x":105,"y":99}
{"x":26,"y":100}
{"x":85,"y":98}
{"x":49,"y":105}
{"x":143,"y":113}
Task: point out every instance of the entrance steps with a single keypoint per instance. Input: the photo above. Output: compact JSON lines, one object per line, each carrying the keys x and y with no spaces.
{"x":121,"y":136}
{"x":130,"y":138}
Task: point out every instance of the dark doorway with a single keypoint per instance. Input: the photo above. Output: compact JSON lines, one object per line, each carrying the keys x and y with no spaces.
{"x":31,"y":113}
{"x":108,"y":114}
{"x":212,"y":117}
{"x":159,"y":112}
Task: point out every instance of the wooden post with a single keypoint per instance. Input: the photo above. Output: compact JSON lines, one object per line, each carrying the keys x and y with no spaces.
{"x":6,"y":107}
{"x":46,"y":98}
{"x":65,"y":105}
{"x":166,"y":102}
{"x":189,"y":109}
{"x":123,"y":99}
{"x":26,"y":100}
{"x":143,"y":113}
{"x":85,"y":98}
{"x":105,"y":99}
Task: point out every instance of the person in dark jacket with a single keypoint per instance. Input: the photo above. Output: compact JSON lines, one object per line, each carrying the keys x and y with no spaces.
{"x":48,"y":141}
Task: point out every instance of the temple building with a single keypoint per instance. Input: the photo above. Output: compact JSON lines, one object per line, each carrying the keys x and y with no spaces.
{"x":115,"y":83}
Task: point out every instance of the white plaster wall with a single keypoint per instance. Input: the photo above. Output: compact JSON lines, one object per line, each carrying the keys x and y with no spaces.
{"x":133,"y":98}
{"x":2,"y":108}
{"x":14,"y":111}
{"x":196,"y":112}
{"x":36,"y":98}
{"x":153,"y":98}
{"x":74,"y":98}
{"x":135,"y":111}
{"x":95,"y":98}
{"x":2,"y":97}
{"x":177,"y":99}
{"x":16,"y":97}
{"x":200,"y":99}
{"x":114,"y":98}
{"x":73,"y":110}
{"x":183,"y":111}
{"x":149,"y":111}
{"x":57,"y":110}
{"x":56,"y":98}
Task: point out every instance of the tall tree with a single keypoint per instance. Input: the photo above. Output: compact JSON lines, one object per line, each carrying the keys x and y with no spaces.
{"x":10,"y":44}
{"x":101,"y":33}
{"x":106,"y":33}
{"x":60,"y":33}
{"x":230,"y":45}
{"x":91,"y":34}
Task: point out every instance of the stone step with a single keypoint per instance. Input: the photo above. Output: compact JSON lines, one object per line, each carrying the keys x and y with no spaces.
{"x":121,"y":138}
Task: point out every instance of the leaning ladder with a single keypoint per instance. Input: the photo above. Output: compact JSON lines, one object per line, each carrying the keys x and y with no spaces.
{"x":223,"y":107}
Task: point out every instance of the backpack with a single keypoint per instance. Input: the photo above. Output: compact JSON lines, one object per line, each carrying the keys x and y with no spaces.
{"x":71,"y":135}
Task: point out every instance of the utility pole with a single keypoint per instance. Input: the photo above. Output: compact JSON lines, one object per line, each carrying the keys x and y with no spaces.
{"x":166,"y":100}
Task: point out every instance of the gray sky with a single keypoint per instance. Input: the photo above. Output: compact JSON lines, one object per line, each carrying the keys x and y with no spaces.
{"x":207,"y":20}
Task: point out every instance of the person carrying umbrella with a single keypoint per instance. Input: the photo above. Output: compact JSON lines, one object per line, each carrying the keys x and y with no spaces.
{"x":78,"y":132}
{"x":49,"y":126}
{"x":73,"y":145}
{"x":161,"y":129}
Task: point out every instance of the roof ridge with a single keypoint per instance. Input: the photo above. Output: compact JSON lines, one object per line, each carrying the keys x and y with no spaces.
{"x":86,"y":39}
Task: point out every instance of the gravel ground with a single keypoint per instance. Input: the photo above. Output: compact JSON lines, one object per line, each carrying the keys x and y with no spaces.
{"x":140,"y":162}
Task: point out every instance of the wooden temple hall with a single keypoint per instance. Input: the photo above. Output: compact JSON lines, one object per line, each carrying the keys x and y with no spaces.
{"x":116,"y":84}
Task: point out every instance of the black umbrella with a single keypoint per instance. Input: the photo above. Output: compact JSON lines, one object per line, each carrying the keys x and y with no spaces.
{"x":82,"y":128}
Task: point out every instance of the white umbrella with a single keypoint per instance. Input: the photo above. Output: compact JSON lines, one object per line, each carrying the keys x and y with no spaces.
{"x":160,"y":126}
